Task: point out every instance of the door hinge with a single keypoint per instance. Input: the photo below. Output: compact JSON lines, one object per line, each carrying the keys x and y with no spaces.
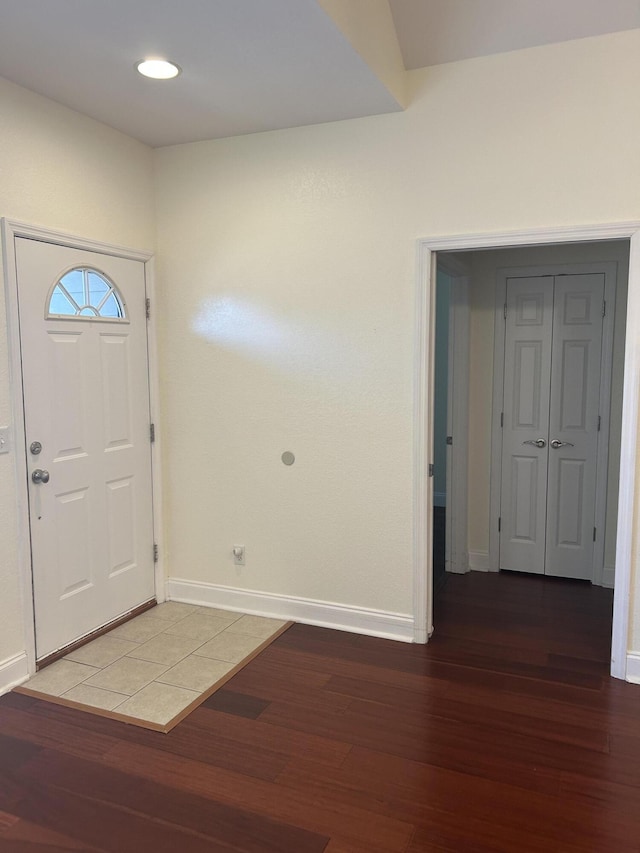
{"x":155,"y":553}
{"x":147,"y":308}
{"x":594,"y":534}
{"x":501,"y":420}
{"x":449,"y":440}
{"x":152,"y":432}
{"x":499,"y":524}
{"x":431,"y":469}
{"x":599,"y":422}
{"x":604,"y":308}
{"x":505,"y":310}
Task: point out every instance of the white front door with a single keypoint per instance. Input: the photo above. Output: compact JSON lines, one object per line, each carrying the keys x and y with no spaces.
{"x":86,"y":395}
{"x":553,"y":350}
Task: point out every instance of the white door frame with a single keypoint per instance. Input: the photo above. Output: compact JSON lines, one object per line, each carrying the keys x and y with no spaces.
{"x":423,"y":413}
{"x":10,"y":230}
{"x":457,"y":554}
{"x":610,"y":270}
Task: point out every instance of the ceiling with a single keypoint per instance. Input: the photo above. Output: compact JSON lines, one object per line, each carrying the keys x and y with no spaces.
{"x":434,"y":31}
{"x":254,"y":65}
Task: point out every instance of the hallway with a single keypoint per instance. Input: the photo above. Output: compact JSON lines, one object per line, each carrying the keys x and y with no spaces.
{"x":543,"y":627}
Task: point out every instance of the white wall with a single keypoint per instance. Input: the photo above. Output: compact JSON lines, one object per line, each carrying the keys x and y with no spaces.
{"x":482,"y":292}
{"x":62,"y":171}
{"x":287,"y":278}
{"x":287,"y":326}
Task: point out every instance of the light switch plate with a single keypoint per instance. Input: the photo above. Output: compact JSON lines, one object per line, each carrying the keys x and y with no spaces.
{"x":5,"y":443}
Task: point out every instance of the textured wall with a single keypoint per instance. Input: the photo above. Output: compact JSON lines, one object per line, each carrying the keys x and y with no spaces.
{"x":62,"y":171}
{"x":287,"y":271}
{"x":271,"y":342}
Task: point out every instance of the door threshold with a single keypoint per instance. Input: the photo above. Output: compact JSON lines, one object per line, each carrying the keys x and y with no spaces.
{"x":71,"y":647}
{"x":559,"y":578}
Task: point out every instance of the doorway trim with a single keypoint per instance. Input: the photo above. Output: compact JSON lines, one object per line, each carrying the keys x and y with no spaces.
{"x":423,"y":412}
{"x":457,"y":555}
{"x":10,"y":230}
{"x":610,"y":271}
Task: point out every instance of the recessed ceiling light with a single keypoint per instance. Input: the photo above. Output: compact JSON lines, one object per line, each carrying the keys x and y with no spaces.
{"x":159,"y":69}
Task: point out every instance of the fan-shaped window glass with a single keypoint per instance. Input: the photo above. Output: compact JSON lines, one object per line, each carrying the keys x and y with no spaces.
{"x":83,"y":292}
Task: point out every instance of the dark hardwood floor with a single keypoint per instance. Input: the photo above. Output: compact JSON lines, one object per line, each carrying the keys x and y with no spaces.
{"x":504,"y":734}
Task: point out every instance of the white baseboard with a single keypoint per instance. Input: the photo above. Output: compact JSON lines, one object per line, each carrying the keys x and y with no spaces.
{"x":633,"y":667}
{"x":608,"y":577}
{"x":459,"y":566}
{"x":13,"y":671}
{"x":341,"y":617}
{"x":479,"y":561}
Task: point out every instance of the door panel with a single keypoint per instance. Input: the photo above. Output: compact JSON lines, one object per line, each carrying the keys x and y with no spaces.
{"x":120,"y":529}
{"x":65,"y":357}
{"x":73,"y":541}
{"x":87,"y":401}
{"x":526,"y":384}
{"x":553,"y":351}
{"x":570,"y":496}
{"x":526,"y":415}
{"x":573,"y":421}
{"x":524,"y":473}
{"x":116,"y":370}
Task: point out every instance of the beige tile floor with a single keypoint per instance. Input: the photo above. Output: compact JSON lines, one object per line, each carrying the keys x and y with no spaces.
{"x":156,"y":665}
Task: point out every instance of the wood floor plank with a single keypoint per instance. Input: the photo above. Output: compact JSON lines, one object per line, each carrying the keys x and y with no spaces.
{"x":518,"y":718}
{"x":13,"y":754}
{"x":260,"y":734}
{"x":256,"y":759}
{"x":28,"y":845}
{"x":56,"y":733}
{"x":485,"y":750}
{"x":7,"y":821}
{"x":342,"y":845}
{"x":273,"y":682}
{"x":613,"y":797}
{"x":496,"y":810}
{"x":106,"y":826}
{"x":18,"y":701}
{"x":296,"y":806}
{"x":432,"y":796}
{"x":26,"y":837}
{"x":148,"y":798}
{"x":233,"y":702}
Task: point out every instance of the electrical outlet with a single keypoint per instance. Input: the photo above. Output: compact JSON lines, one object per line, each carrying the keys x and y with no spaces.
{"x":238,"y":555}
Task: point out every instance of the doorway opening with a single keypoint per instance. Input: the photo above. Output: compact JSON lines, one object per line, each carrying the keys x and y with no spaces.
{"x":485,"y":266}
{"x":450,"y":390}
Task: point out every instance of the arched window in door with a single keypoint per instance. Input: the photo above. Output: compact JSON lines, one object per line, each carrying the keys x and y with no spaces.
{"x":85,"y":293}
